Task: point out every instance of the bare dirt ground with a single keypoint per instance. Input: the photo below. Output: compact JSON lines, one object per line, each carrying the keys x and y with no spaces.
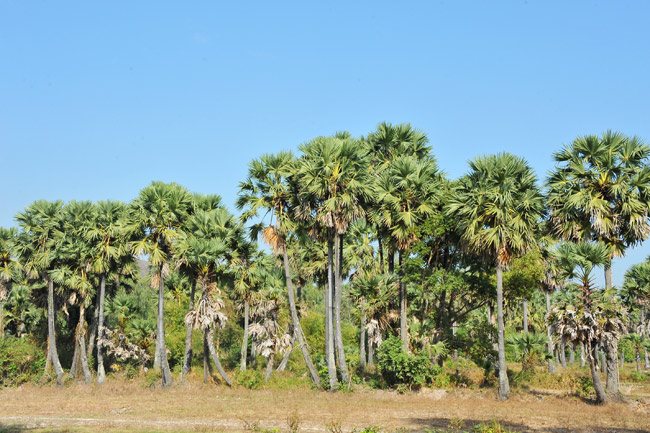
{"x":188,"y":407}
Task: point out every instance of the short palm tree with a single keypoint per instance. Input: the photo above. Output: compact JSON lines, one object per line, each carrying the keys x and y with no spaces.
{"x":155,"y":219}
{"x":41,"y":230}
{"x":498,"y":207}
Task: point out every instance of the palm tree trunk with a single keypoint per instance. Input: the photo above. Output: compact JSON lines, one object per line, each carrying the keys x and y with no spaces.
{"x":92,"y":337}
{"x":160,"y":336}
{"x":269,"y":368}
{"x":2,"y":318}
{"x":608,"y":275}
{"x":525,"y":314}
{"x":380,"y":249}
{"x":52,"y":353}
{"x":244,"y":343}
{"x":504,"y":386}
{"x":549,"y":334}
{"x":285,"y":358}
{"x":362,"y":343}
{"x":295,"y":321}
{"x":572,"y":354}
{"x":582,"y":355}
{"x":612,"y":384}
{"x":371,"y":353}
{"x":101,"y":373}
{"x":562,"y":350}
{"x":329,"y":317}
{"x":403,"y":324}
{"x":601,"y":397}
{"x":187,"y":358}
{"x":81,"y":341}
{"x":206,"y":359}
{"x":338,"y":289}
{"x":647,"y":359}
{"x":215,"y":358}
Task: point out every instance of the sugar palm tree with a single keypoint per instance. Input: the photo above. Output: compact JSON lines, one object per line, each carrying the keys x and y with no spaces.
{"x":498,"y":207}
{"x":406,"y":193}
{"x":9,"y":269}
{"x":108,"y":238}
{"x":635,"y":294}
{"x":333,"y":182}
{"x":592,"y":318}
{"x":156,"y":217}
{"x":267,"y":189}
{"x":41,"y":229}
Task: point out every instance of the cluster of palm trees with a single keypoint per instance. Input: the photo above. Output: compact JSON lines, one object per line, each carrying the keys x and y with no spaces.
{"x":370,"y":219}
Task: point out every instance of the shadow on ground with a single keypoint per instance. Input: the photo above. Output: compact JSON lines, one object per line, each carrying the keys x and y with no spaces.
{"x":455,"y":425}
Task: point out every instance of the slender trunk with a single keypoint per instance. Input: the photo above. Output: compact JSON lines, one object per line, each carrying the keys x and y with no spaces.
{"x":338,"y":290}
{"x":244,"y":343}
{"x":603,"y":361}
{"x":572,"y":354}
{"x":74,"y":366}
{"x":582,"y":355}
{"x":563,"y":352}
{"x":391,"y":259}
{"x":525,"y":313}
{"x":2,"y":318}
{"x":549,"y":334}
{"x":601,"y":397}
{"x":612,"y":383}
{"x":206,"y":359}
{"x":101,"y":373}
{"x":81,"y":339}
{"x":504,"y":386}
{"x":380,"y":249}
{"x":269,"y":368}
{"x":403,"y":325}
{"x":637,"y":359}
{"x":647,"y":359}
{"x":371,"y":353}
{"x":215,"y":358}
{"x":329,"y":318}
{"x":362,"y":343}
{"x":92,"y":337}
{"x":295,"y":320}
{"x":187,"y":358}
{"x":608,"y":275}
{"x":53,"y":354}
{"x":162,"y":349}
{"x":622,"y":359}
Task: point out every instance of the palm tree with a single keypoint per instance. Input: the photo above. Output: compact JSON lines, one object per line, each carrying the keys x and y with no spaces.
{"x":406,"y":193}
{"x":9,"y":269}
{"x":498,"y":208}
{"x":203,"y":248}
{"x":267,"y":189}
{"x":108,"y":237}
{"x":635,"y":294}
{"x":333,"y":182}
{"x":588,"y":319}
{"x":156,"y":217}
{"x":41,"y":229}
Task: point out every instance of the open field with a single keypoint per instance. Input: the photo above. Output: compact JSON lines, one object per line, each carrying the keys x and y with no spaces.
{"x":127,"y":406}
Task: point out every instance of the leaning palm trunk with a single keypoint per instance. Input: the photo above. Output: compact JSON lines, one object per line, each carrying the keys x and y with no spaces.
{"x":287,"y":354}
{"x":338,"y":288}
{"x":504,"y":386}
{"x":244,"y":343}
{"x":187,"y":358}
{"x":295,"y":321}
{"x":601,"y":397}
{"x":52,"y":354}
{"x":209,"y":335}
{"x":160,"y":337}
{"x":329,"y":318}
{"x":101,"y":373}
{"x":549,"y":334}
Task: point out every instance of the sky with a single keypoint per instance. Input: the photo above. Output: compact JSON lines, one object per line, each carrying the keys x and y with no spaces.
{"x":97,"y":99}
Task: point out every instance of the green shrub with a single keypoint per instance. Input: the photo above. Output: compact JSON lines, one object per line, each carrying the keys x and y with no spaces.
{"x":20,"y":361}
{"x":491,"y":427}
{"x":398,"y":367}
{"x":584,"y":387}
{"x":251,"y":379}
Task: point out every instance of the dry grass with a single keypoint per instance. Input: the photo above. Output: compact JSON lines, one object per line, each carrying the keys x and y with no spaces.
{"x":191,"y":407}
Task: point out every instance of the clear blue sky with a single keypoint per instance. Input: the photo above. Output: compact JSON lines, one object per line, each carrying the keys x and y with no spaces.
{"x":98,"y":100}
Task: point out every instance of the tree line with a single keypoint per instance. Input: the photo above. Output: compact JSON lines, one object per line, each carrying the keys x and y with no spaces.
{"x":367,"y":235}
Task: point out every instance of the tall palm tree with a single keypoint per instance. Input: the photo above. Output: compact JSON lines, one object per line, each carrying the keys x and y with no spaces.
{"x":498,"y":207}
{"x":635,"y":294}
{"x":108,"y":238}
{"x":267,"y":189}
{"x":156,"y":217}
{"x":334,"y":184}
{"x":600,"y":190}
{"x":41,"y":229}
{"x":9,"y":269}
{"x":406,"y":193}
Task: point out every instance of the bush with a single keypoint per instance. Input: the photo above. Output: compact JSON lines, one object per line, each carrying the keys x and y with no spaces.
{"x":251,"y":379}
{"x":400,"y":368}
{"x":20,"y":361}
{"x":492,"y":427}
